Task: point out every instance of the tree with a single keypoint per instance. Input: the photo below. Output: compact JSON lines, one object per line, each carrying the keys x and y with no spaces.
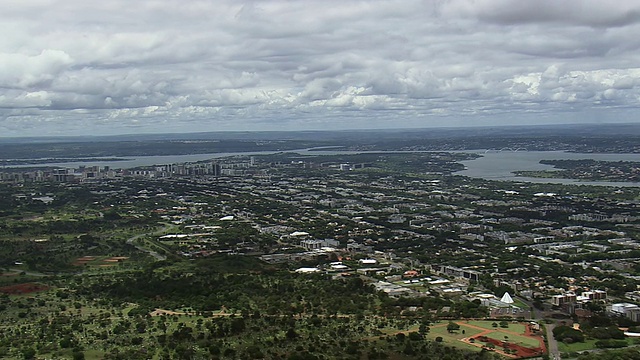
{"x":568,"y":334}
{"x":451,"y":327}
{"x":28,"y":353}
{"x":291,"y":334}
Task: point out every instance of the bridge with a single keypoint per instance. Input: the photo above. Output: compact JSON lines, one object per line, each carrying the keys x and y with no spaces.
{"x":505,"y":149}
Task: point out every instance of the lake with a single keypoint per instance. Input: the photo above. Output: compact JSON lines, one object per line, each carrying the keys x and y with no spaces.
{"x":493,"y":165}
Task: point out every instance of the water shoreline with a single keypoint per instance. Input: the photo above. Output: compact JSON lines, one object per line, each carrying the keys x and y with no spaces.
{"x":497,"y":166}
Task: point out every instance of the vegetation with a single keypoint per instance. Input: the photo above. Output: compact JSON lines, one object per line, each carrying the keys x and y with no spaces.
{"x":163,"y":268}
{"x":587,"y":169}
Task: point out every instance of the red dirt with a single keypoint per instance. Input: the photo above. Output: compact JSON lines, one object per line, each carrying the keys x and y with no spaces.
{"x":86,"y":258}
{"x":81,"y":261}
{"x":521,"y":351}
{"x":25,"y":288}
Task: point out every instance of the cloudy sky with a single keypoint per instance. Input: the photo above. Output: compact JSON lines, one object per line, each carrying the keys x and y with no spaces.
{"x":72,"y":67}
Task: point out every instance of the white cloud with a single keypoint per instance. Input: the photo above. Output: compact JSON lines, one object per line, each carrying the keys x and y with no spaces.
{"x":26,"y":71}
{"x":166,"y":64}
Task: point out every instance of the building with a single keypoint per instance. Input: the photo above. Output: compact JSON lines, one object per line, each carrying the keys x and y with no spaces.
{"x":319,"y":244}
{"x":367,"y":261}
{"x":467,"y":274}
{"x":594,"y":295}
{"x":391,"y":289}
{"x":630,"y":311}
{"x":566,"y":298}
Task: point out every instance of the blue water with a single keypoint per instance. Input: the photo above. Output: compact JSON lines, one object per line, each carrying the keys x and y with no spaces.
{"x":501,"y":165}
{"x":491,"y":166}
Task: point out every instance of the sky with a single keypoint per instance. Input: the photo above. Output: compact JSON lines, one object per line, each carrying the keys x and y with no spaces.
{"x":75,"y":67}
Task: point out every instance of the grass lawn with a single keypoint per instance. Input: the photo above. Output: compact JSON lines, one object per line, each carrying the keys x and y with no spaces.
{"x":450,"y":341}
{"x":579,"y":346}
{"x":520,"y":304}
{"x":93,"y":354}
{"x":586,"y":345}
{"x":440,"y":329}
{"x":513,"y":327}
{"x":13,"y":277}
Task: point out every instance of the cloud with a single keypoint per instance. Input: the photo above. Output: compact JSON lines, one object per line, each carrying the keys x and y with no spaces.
{"x":79,"y":67}
{"x":31,"y":71}
{"x":593,"y":13}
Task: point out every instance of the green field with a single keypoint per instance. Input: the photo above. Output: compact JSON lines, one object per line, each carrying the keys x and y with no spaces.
{"x":470,"y":329}
{"x":586,"y":345}
{"x":453,"y":339}
{"x":520,"y":304}
{"x":578,"y":346}
{"x":441,"y":330}
{"x":513,"y":327}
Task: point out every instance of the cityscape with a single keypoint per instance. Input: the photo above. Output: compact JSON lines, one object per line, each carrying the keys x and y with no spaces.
{"x":553,"y":268}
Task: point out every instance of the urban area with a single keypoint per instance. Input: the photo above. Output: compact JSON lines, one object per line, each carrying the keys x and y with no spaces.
{"x":283,"y":256}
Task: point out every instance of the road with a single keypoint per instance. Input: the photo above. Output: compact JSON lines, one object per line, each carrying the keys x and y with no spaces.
{"x":29,"y":273}
{"x":536,"y":314}
{"x":155,"y":254}
{"x":554,"y":354}
{"x":552,"y":344}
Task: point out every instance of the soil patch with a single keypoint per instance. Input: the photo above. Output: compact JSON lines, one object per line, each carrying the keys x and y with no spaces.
{"x":26,"y":288}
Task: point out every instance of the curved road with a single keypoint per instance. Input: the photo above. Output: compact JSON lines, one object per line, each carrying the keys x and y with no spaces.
{"x":155,"y":254}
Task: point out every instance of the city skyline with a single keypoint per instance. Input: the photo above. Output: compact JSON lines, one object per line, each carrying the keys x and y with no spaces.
{"x":74,"y":68}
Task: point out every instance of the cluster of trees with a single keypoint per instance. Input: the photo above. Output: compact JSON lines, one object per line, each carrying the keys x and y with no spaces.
{"x":594,"y":169}
{"x":276,"y":314}
{"x":568,"y":334}
{"x":626,"y":354}
{"x":608,"y":335}
{"x":205,"y":288}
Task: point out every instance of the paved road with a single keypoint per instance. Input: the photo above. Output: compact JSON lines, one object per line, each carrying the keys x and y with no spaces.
{"x":554,"y":353}
{"x":552,"y":344}
{"x":536,"y":314}
{"x":155,"y":254}
{"x":30,"y":273}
